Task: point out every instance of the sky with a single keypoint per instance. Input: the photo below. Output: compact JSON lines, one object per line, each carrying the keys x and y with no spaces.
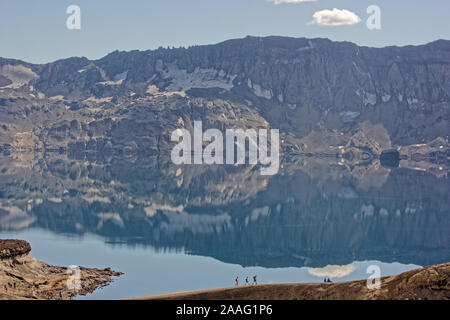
{"x":37,"y":32}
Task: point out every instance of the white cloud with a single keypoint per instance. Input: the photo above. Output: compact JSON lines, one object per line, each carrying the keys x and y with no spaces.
{"x":335,"y":17}
{"x":332,"y":271}
{"x":290,"y":1}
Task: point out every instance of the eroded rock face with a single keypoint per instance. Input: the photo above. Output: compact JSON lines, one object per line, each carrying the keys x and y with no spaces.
{"x":360,"y":100}
{"x":297,"y":85}
{"x":24,"y":277}
{"x":12,"y":248}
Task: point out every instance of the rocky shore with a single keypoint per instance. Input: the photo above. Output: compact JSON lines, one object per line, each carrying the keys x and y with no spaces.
{"x":24,"y":277}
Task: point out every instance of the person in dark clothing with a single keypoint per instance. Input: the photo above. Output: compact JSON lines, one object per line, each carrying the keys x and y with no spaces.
{"x":237,"y":281}
{"x":254,"y":280}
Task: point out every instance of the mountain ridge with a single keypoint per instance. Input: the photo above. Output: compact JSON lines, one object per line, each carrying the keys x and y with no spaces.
{"x":297,"y":85}
{"x":22,"y":61}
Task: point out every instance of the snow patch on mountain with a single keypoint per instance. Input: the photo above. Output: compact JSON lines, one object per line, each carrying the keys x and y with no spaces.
{"x":202,"y":78}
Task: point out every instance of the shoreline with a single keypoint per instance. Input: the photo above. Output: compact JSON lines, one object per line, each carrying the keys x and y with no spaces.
{"x":427,"y":283}
{"x":23,"y":277}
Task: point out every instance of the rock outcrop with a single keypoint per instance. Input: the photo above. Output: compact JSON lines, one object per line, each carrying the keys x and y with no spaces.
{"x":24,"y":277}
{"x":12,"y":248}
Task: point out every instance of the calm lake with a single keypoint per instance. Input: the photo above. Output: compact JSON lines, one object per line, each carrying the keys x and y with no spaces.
{"x":174,"y":228}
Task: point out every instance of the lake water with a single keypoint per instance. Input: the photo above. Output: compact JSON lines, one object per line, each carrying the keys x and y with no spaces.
{"x":172,"y":228}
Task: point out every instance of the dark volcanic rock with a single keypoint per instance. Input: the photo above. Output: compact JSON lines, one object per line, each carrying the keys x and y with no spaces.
{"x":390,"y":158}
{"x":11,"y":248}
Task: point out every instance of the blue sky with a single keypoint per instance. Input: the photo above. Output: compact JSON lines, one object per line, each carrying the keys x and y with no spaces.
{"x":36,"y":31}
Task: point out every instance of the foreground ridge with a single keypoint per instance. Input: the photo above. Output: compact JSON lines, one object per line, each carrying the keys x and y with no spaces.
{"x":428,"y":283}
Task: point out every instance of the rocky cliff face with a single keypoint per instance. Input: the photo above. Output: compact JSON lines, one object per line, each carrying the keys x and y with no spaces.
{"x":297,"y":85}
{"x":24,"y":277}
{"x":12,"y":248}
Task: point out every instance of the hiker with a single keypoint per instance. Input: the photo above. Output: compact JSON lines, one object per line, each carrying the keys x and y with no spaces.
{"x":254,"y":280}
{"x":246,"y":281}
{"x":237,"y":281}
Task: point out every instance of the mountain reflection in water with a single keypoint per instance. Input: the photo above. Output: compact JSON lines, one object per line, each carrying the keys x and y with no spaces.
{"x":313,"y":213}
